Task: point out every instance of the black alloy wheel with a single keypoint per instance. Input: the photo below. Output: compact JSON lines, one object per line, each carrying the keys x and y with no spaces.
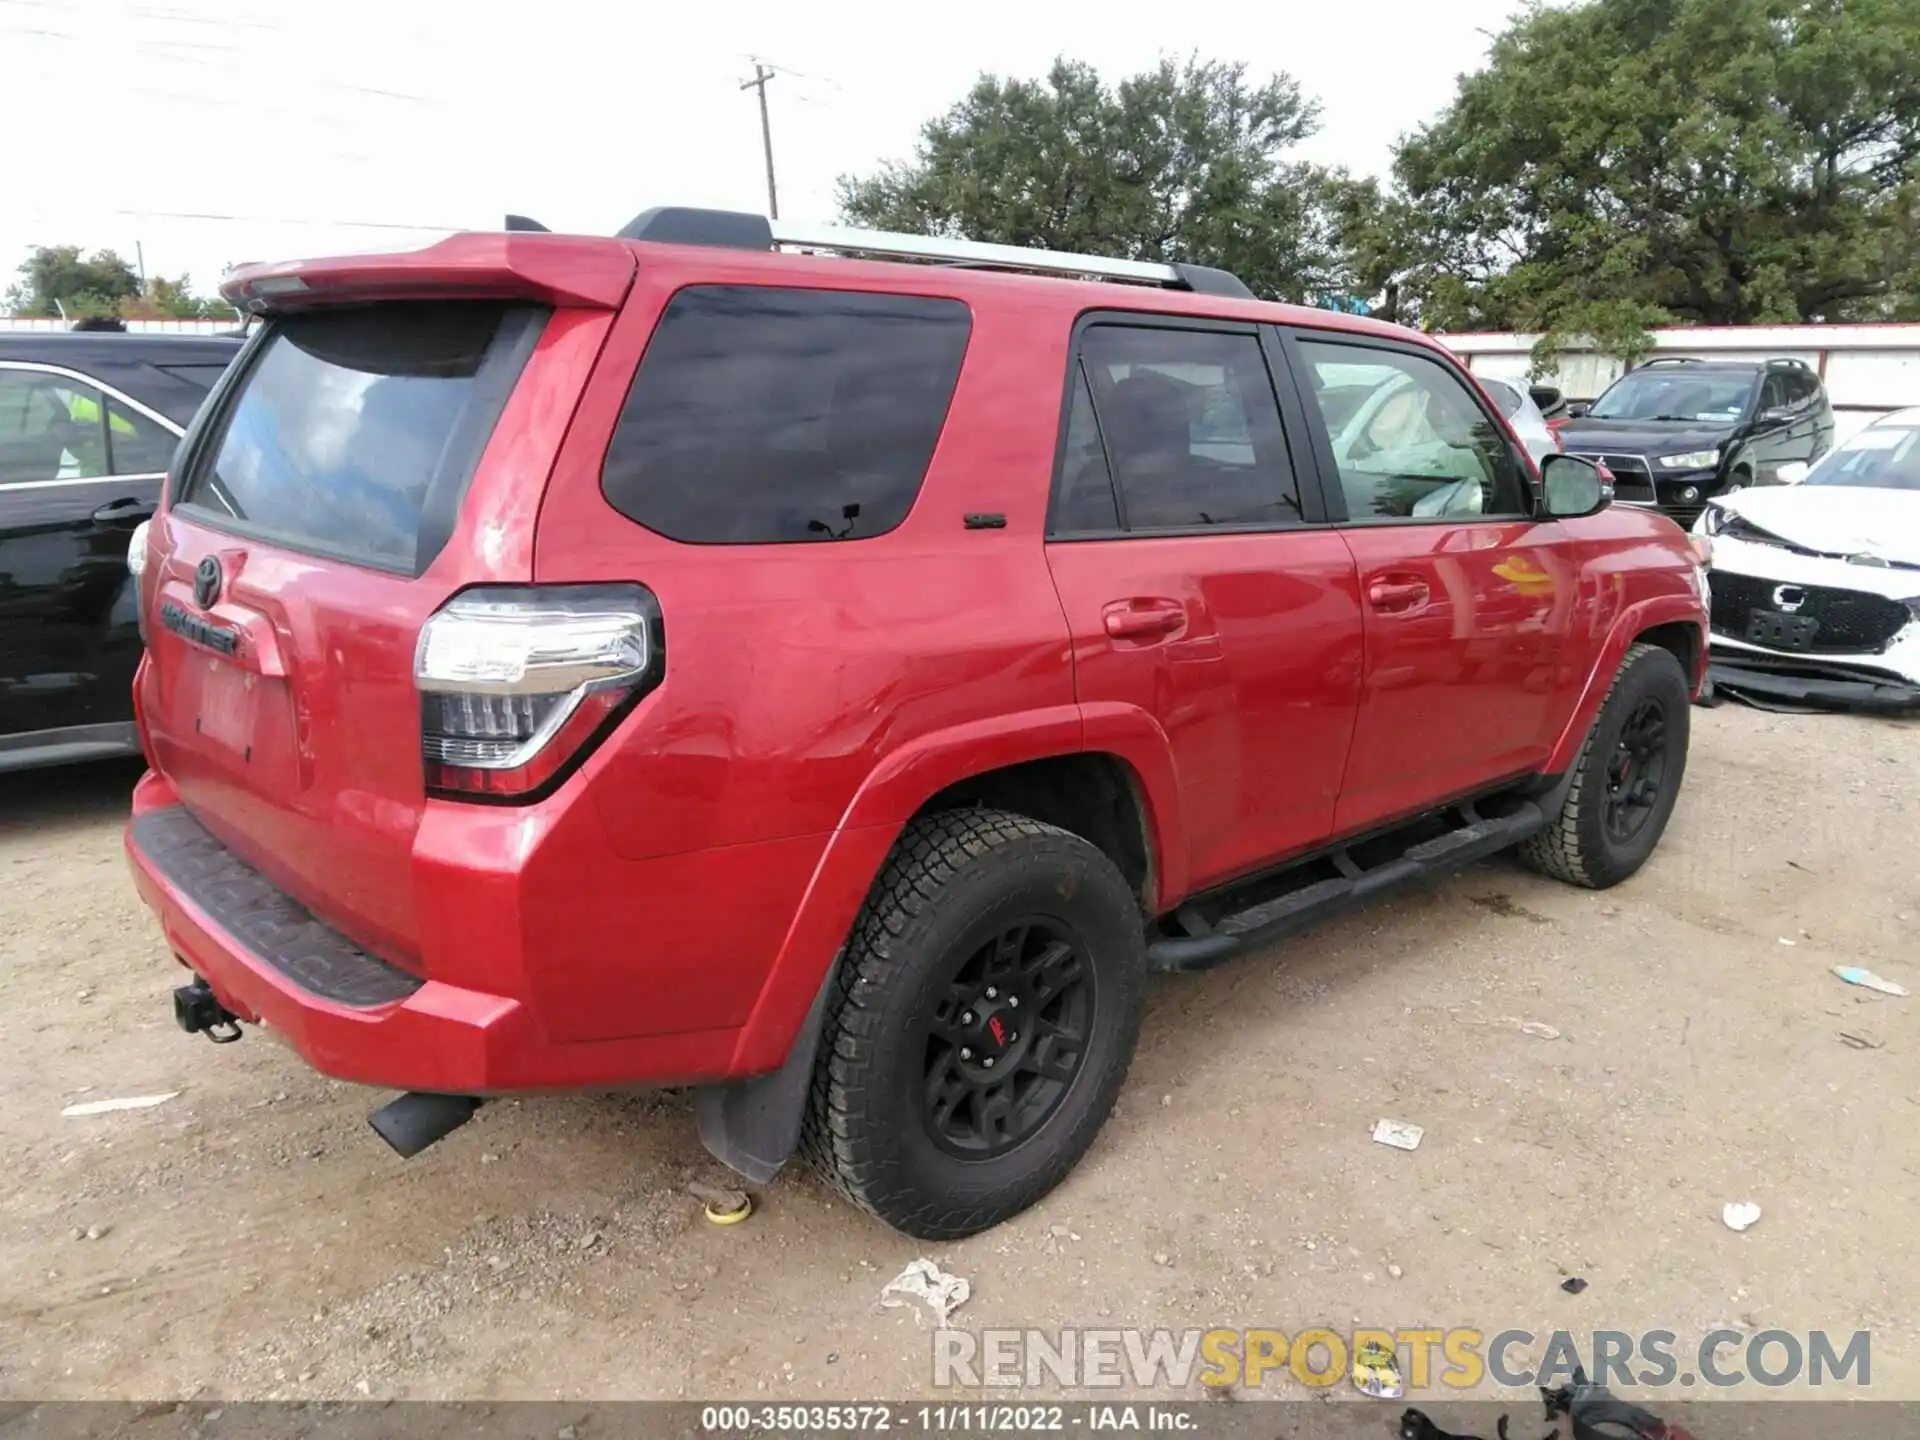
{"x":1007,"y":1038}
{"x":1637,"y":770}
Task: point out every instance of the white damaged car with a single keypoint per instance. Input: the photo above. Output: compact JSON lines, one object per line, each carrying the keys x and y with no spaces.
{"x":1816,"y":584}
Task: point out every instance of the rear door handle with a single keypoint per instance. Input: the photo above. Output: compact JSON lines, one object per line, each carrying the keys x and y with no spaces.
{"x":1397,"y":595}
{"x":1143,"y":619}
{"x":127,"y":510}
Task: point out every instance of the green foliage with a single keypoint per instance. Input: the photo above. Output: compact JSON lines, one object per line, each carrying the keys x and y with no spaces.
{"x":93,"y":285}
{"x":1628,"y":163}
{"x":175,"y":300}
{"x":1186,"y":162}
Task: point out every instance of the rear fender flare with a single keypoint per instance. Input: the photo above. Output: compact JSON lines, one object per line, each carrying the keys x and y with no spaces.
{"x":899,"y":785}
{"x":1632,"y":622}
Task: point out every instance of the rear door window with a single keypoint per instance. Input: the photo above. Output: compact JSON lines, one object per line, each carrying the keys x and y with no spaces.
{"x":1188,"y":423}
{"x":763,"y":415}
{"x":355,"y":432}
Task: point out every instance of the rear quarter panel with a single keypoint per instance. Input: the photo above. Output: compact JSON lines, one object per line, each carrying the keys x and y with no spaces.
{"x":811,"y":690}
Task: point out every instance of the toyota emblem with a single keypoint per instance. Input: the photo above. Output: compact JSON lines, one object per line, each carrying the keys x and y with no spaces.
{"x":206,"y":582}
{"x":1789,"y":597}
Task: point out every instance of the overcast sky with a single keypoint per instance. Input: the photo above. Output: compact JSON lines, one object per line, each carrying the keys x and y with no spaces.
{"x":210,"y":131}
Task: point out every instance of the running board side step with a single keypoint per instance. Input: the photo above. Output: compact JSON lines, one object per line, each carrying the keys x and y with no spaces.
{"x":1353,"y":885}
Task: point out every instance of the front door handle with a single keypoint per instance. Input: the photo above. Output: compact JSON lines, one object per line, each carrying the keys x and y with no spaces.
{"x":1397,"y":596}
{"x":127,"y":510}
{"x":1143,"y":619}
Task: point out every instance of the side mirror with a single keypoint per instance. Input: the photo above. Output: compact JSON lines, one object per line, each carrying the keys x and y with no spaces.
{"x":1777,"y":415}
{"x":1572,"y":486}
{"x":1578,"y":408}
{"x":1791,"y":473}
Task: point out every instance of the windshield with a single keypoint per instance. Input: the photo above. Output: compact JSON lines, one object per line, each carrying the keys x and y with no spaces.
{"x":1676,"y":395}
{"x":1885,"y":457}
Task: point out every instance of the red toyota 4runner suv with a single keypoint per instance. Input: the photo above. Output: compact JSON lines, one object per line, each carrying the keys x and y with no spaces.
{"x":834,"y":682}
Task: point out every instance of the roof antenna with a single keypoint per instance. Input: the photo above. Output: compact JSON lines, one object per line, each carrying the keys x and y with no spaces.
{"x":521,"y":222}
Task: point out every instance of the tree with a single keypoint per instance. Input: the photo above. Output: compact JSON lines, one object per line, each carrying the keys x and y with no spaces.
{"x":175,"y":300}
{"x":56,"y":275}
{"x":1185,"y":162}
{"x":1636,"y":162}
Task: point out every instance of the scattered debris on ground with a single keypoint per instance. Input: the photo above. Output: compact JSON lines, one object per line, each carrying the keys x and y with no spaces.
{"x":1740,"y":1214}
{"x":1398,"y":1134}
{"x":108,"y":1107}
{"x":926,"y":1282}
{"x":1867,"y":980}
{"x":724,"y":1206}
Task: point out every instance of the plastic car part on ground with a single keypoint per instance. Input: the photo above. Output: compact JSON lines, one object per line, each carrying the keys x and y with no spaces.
{"x":926,"y":1282}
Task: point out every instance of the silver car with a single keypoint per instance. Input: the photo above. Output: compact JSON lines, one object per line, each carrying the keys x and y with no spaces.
{"x":1525,"y":417}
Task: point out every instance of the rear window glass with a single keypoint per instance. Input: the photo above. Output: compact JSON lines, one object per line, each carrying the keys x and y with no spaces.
{"x":356,"y":431}
{"x":764,"y":415}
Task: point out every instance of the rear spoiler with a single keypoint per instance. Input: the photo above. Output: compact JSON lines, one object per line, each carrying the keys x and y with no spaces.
{"x":472,"y":265}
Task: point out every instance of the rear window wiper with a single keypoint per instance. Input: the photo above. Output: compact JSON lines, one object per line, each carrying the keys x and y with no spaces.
{"x":849,"y":517}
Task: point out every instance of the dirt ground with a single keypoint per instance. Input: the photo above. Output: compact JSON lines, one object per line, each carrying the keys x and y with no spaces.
{"x":252,"y":1238}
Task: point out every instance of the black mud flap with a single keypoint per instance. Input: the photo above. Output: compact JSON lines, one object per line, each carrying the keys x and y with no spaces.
{"x":753,"y":1126}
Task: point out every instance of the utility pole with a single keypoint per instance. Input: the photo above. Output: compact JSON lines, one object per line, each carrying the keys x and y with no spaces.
{"x":761,"y":75}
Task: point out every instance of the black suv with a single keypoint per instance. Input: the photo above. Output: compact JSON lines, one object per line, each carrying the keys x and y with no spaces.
{"x":1678,"y":432}
{"x":88,"y":426}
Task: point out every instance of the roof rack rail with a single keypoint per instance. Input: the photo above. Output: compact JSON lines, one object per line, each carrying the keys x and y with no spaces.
{"x":734,"y":230}
{"x":1788,"y":362}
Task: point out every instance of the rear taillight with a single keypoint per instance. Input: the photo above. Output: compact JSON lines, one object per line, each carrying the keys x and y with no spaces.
{"x":518,"y":684}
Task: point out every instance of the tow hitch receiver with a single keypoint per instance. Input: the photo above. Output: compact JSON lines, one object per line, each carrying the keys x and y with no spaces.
{"x":198,"y":1013}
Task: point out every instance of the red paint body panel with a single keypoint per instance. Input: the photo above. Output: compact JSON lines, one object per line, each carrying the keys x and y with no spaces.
{"x":668,"y":912}
{"x":1465,"y":658}
{"x":1255,"y":689}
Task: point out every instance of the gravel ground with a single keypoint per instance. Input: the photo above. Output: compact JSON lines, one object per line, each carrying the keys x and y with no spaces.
{"x":251,"y":1238}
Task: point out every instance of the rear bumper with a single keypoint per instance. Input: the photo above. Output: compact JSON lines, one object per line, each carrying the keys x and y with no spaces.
{"x":352,"y":1016}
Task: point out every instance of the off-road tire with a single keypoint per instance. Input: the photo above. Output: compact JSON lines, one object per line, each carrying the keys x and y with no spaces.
{"x":1575,"y":846}
{"x":950,"y":878}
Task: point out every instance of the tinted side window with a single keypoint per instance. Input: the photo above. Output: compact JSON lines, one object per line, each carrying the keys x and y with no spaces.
{"x":1773,"y":394}
{"x":137,"y":445}
{"x":1191,"y":426}
{"x":1086,"y":484}
{"x":51,"y":428}
{"x":1803,"y":388}
{"x":1416,"y":446}
{"x":761,"y":415}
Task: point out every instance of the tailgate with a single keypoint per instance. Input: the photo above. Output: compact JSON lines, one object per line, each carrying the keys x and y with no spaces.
{"x":362,"y":466}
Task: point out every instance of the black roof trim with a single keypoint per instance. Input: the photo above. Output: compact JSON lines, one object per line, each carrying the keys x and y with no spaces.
{"x":686,"y":225}
{"x":1206,"y":280}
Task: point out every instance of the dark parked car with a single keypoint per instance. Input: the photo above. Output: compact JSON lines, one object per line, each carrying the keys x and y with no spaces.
{"x":1677,"y":433}
{"x":88,"y":425}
